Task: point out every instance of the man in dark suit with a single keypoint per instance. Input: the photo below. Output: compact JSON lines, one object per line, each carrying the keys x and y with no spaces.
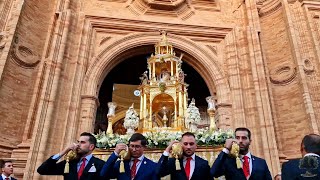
{"x":254,"y":168}
{"x":192,"y":166}
{"x":84,"y":167}
{"x":7,"y":170}
{"x":138,"y":167}
{"x":307,"y":167}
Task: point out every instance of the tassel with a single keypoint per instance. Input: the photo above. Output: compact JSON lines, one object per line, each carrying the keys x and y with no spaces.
{"x":178,"y":165}
{"x":121,"y":166}
{"x":66,"y":167}
{"x":239,"y":165}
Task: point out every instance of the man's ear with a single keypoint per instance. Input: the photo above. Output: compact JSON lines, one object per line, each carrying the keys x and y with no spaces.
{"x":91,"y":147}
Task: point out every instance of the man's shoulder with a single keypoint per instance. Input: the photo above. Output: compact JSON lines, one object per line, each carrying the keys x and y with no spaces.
{"x":200,"y":159}
{"x":256,"y":158}
{"x":148,"y":160}
{"x":291,"y":162}
{"x":97,"y":160}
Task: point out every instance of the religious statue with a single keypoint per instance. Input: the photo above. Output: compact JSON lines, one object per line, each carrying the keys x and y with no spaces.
{"x":181,"y":76}
{"x":164,"y":76}
{"x":211,"y":103}
{"x":192,"y":117}
{"x":144,"y":78}
{"x":112,"y":107}
{"x":111,"y":113}
{"x":131,"y":120}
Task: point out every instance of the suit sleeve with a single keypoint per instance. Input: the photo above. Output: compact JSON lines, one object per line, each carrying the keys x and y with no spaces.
{"x":218,"y":168}
{"x":284,"y":171}
{"x":51,"y":167}
{"x":206,"y":170}
{"x":155,"y":172}
{"x":109,"y":171}
{"x":166,"y":166}
{"x":267,"y":172}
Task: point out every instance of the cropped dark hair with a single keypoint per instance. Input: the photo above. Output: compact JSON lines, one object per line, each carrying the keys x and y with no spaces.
{"x":311,"y":143}
{"x":188,"y":134}
{"x":243,"y":129}
{"x":3,"y":162}
{"x":92,"y":139}
{"x":138,"y":137}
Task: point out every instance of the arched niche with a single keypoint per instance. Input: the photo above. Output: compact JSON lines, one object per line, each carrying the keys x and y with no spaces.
{"x":203,"y":61}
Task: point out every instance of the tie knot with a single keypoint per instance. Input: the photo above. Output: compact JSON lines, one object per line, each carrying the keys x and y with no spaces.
{"x":135,"y":160}
{"x":84,"y":160}
{"x":189,"y":158}
{"x":245,"y":157}
{"x":7,"y":178}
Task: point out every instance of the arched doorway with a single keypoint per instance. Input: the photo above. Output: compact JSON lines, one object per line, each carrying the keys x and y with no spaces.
{"x":198,"y":57}
{"x":127,"y":73}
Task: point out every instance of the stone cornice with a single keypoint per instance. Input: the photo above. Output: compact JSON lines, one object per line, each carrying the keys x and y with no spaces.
{"x":102,"y":23}
{"x":311,"y":5}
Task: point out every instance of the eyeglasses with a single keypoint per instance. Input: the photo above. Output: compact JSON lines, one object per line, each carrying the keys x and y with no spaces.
{"x":132,"y":146}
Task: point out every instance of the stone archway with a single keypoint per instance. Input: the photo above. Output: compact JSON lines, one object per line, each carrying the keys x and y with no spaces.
{"x":206,"y":65}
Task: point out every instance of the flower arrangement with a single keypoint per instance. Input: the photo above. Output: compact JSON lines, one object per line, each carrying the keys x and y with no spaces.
{"x":160,"y":138}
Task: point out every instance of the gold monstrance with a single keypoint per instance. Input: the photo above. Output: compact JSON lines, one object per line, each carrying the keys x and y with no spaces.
{"x":163,"y":86}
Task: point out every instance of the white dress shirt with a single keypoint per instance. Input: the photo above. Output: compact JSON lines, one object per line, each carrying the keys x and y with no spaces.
{"x":192,"y":164}
{"x":138,"y":163}
{"x":249,"y":159}
{"x":4,"y":177}
{"x":225,"y":150}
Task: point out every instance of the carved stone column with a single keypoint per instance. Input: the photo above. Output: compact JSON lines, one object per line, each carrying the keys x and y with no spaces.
{"x":89,"y":106}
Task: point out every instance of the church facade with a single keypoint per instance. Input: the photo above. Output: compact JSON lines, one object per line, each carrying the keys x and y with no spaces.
{"x":260,"y":58}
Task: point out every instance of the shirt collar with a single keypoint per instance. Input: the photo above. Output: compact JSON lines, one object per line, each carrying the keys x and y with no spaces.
{"x":248,"y":155}
{"x":4,"y":177}
{"x":193,"y":157}
{"x":88,"y":157}
{"x":140,"y":158}
{"x":311,"y":154}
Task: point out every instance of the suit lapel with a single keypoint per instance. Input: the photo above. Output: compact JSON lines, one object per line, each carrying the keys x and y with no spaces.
{"x":183,"y":172}
{"x":254,"y":165}
{"x":143,"y":168}
{"x":196,"y":166}
{"x":88,"y":166}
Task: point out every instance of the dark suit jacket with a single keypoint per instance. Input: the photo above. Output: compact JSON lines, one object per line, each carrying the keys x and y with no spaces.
{"x":225,"y":165}
{"x":147,"y":170}
{"x":51,"y":167}
{"x":291,"y":171}
{"x":167,"y":166}
{"x":11,"y":178}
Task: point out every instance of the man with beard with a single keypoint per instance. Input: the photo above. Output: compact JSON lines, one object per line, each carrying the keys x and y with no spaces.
{"x":7,"y":170}
{"x":192,"y":166}
{"x":84,"y":167}
{"x":137,"y":167}
{"x":307,"y":167}
{"x":253,"y":168}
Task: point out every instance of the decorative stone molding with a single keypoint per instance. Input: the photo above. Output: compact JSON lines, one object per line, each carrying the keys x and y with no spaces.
{"x":265,"y":10}
{"x":173,"y":8}
{"x":23,"y":56}
{"x":105,"y":39}
{"x":213,"y":49}
{"x":308,"y":67}
{"x":89,"y":97}
{"x":2,"y":40}
{"x":283,"y":75}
